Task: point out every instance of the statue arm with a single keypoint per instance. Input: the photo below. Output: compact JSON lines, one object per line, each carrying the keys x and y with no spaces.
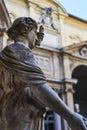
{"x":44,"y":94}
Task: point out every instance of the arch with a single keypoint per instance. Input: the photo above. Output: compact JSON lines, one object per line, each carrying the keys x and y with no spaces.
{"x":80,"y":96}
{"x":80,"y":71}
{"x":4,"y":16}
{"x":76,"y":65}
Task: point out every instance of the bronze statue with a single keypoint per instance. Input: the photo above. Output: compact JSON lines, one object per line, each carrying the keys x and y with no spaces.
{"x":24,"y":93}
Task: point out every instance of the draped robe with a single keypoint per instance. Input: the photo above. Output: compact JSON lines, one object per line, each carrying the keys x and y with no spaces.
{"x":18,"y":70}
{"x":19,"y":61}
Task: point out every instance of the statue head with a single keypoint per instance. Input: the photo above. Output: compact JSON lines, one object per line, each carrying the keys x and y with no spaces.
{"x":49,"y":11}
{"x":21,"y":27}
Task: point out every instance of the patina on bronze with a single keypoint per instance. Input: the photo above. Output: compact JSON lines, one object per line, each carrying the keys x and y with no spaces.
{"x":24,"y":93}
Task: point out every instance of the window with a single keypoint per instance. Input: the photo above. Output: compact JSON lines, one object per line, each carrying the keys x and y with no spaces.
{"x":49,"y":121}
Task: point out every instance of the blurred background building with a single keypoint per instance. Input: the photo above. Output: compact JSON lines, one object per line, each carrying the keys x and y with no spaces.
{"x":62,"y":54}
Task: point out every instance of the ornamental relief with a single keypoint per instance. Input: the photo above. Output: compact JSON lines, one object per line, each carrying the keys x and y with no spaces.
{"x":46,"y":18}
{"x":45,"y":64}
{"x":75,"y":38}
{"x":83,"y":51}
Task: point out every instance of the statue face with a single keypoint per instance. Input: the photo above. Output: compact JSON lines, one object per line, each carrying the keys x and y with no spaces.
{"x":48,"y":13}
{"x":32,"y":37}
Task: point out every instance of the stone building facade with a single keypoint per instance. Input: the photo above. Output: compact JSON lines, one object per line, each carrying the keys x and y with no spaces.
{"x":62,"y":55}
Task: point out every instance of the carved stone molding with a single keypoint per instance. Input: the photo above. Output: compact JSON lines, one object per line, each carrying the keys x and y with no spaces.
{"x":45,"y":64}
{"x":83,"y":51}
{"x":69,"y":90}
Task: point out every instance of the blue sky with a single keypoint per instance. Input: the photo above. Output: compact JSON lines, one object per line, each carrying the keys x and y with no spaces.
{"x":75,"y":7}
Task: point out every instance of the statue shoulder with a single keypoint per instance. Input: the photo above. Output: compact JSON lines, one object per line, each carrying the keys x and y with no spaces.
{"x":17,"y":47}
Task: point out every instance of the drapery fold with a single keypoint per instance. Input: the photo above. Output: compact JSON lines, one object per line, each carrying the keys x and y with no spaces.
{"x":18,"y":60}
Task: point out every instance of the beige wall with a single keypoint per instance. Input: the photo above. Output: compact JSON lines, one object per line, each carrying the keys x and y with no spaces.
{"x":75,"y":31}
{"x":17,"y":8}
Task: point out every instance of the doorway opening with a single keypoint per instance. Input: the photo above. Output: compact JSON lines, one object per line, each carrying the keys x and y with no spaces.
{"x":80,"y":95}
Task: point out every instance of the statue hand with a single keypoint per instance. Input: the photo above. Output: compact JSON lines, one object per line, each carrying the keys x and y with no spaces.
{"x":78,"y":122}
{"x":40,"y":37}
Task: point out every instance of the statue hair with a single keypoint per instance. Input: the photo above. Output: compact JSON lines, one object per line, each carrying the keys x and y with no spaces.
{"x":21,"y":26}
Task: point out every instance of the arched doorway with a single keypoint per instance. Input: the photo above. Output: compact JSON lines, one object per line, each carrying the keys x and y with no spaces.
{"x":80,"y":95}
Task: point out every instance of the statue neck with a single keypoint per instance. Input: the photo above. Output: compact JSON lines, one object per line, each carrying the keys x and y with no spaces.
{"x":23,"y":40}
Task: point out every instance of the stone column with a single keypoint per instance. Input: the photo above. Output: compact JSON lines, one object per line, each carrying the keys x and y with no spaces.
{"x":56,"y":65}
{"x":69,"y":89}
{"x":57,"y":122}
{"x":69,"y":93}
{"x":32,"y":8}
{"x":61,"y":28}
{"x":3,"y":37}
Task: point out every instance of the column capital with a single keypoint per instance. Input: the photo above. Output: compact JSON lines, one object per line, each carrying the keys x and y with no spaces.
{"x":69,"y":90}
